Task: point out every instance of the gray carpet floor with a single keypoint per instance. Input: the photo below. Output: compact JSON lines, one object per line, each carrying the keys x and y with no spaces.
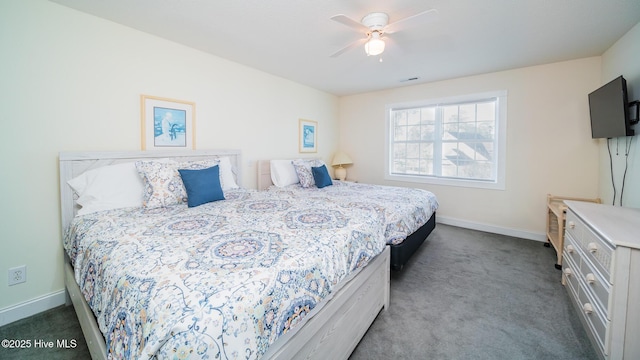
{"x":472,"y":295}
{"x":464,"y":295}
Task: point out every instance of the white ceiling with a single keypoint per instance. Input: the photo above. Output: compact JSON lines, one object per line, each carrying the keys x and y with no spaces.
{"x":294,"y":39}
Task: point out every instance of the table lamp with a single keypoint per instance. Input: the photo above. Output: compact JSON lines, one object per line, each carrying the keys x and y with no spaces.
{"x":340,"y":159}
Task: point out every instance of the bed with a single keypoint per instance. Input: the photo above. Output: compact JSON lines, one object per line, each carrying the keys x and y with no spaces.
{"x":409,"y":214}
{"x":254,"y":275}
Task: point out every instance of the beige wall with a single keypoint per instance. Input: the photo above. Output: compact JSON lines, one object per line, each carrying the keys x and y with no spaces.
{"x":549,"y":146}
{"x":72,"y":82}
{"x":622,"y":59}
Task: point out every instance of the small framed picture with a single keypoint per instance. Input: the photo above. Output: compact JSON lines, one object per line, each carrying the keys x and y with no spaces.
{"x":308,"y":136}
{"x":167,"y":124}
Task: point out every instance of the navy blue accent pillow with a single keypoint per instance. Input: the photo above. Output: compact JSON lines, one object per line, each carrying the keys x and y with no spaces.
{"x":203,"y":186}
{"x":321,"y":176}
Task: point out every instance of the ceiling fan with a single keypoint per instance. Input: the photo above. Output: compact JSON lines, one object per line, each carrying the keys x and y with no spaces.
{"x":375,"y":26}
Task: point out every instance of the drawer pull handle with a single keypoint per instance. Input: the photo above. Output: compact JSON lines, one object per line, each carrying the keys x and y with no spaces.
{"x":572,"y":225}
{"x":568,"y":272}
{"x":570,"y":249}
{"x":587,"y":308}
{"x":591,"y":279}
{"x":592,"y":247}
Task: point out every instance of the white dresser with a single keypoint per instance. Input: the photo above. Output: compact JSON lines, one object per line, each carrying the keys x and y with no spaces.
{"x":601,"y":271}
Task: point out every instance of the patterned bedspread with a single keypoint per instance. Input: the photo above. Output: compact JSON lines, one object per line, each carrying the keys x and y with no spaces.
{"x":222,"y":280}
{"x":404,"y":209}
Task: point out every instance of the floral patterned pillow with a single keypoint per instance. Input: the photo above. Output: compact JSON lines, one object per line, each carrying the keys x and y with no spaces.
{"x":162,"y":182}
{"x":303,"y":169}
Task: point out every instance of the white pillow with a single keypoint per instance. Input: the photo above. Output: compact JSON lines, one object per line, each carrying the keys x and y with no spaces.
{"x":108,"y":187}
{"x":227,"y":180}
{"x":283,"y":173}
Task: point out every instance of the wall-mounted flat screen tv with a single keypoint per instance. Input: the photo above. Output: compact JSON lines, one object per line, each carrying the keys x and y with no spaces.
{"x":609,"y":110}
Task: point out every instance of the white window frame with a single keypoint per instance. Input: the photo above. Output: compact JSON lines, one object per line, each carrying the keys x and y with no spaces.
{"x":499,"y":183}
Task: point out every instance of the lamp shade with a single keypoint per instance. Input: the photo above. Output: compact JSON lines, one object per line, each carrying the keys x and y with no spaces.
{"x":375,"y":45}
{"x":340,"y":159}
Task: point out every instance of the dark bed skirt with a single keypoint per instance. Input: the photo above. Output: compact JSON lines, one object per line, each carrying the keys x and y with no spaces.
{"x":401,"y":253}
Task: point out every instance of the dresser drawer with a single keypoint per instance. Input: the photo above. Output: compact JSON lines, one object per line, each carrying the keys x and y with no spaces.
{"x":570,"y":273}
{"x":597,"y":250}
{"x":571,"y":249}
{"x":596,"y":321}
{"x":597,"y":286}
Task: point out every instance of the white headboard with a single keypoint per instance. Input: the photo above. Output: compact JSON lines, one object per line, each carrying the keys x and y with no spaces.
{"x":264,"y":174}
{"x":73,"y":164}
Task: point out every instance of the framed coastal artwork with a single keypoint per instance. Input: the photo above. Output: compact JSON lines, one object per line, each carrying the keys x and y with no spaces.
{"x":167,"y":124}
{"x":307,"y":136}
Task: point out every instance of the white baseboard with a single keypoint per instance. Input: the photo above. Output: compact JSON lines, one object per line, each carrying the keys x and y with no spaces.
{"x":32,"y":307}
{"x":492,"y":228}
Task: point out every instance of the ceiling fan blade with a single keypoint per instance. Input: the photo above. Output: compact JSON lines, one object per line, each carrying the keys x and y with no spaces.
{"x":425,"y":16}
{"x":354,"y":44}
{"x":345,"y":20}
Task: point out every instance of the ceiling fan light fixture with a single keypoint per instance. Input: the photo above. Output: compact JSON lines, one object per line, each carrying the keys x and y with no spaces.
{"x":375,"y":45}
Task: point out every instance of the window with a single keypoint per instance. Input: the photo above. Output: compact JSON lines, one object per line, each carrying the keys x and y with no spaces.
{"x":456,"y":141}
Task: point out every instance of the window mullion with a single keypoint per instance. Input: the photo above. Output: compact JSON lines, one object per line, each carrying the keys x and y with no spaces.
{"x":437,"y":143}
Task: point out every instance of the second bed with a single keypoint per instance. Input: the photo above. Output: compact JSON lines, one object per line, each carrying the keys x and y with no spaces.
{"x":409,"y":213}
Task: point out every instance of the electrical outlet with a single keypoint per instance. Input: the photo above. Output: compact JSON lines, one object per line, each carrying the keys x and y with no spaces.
{"x":17,"y":275}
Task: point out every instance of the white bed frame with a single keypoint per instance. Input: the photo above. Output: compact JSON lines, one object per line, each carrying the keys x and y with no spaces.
{"x":331,"y":331}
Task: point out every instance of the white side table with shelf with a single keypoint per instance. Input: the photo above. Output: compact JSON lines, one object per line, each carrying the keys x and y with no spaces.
{"x":556,"y":210}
